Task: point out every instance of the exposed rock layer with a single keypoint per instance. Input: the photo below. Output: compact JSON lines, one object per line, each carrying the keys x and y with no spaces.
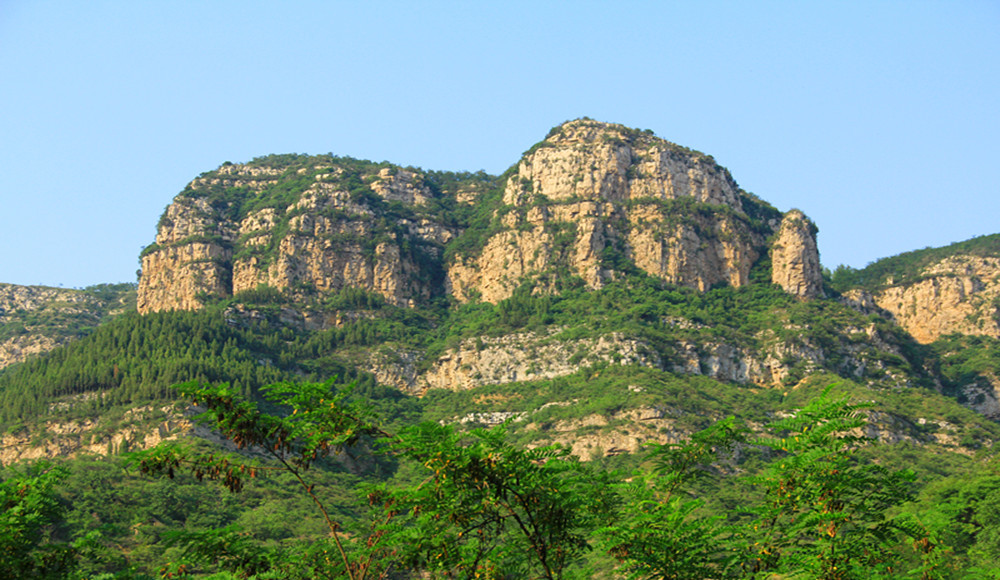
{"x":37,"y":319}
{"x":795,"y":257}
{"x":324,"y":240}
{"x":592,"y":191}
{"x":591,"y":200}
{"x":960,"y":294}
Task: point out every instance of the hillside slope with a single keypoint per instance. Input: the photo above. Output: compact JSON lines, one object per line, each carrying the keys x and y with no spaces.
{"x":37,"y":319}
{"x":604,"y":252}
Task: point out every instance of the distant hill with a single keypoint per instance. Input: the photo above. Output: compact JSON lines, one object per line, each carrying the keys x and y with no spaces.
{"x":934,"y":292}
{"x":36,"y":319}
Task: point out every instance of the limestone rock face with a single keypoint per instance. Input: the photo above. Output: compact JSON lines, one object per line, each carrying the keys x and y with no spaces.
{"x":142,"y":428}
{"x":20,"y":348}
{"x":958,"y":294}
{"x":327,"y":253}
{"x":593,"y":194}
{"x":591,"y":201}
{"x":191,"y":256}
{"x":795,"y":257}
{"x":311,"y":228}
{"x":526,"y":357}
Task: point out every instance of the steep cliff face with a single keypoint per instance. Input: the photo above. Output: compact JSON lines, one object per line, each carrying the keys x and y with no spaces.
{"x":959,"y":294}
{"x":191,"y":256}
{"x":795,"y":257}
{"x":592,"y":201}
{"x":593,"y":197}
{"x":298,"y":223}
{"x":332,"y":242}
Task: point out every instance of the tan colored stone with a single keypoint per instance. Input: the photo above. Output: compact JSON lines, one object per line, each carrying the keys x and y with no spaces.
{"x":610,"y":183}
{"x":959,"y":294}
{"x":795,"y":257}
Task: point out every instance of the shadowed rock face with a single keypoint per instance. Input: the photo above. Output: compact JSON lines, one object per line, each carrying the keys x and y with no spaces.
{"x":795,"y":257}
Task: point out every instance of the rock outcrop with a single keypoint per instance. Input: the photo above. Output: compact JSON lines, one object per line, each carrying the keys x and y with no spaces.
{"x":959,"y":294}
{"x":860,"y":352}
{"x":795,"y":257}
{"x":594,"y":195}
{"x":592,"y":200}
{"x":140,"y":428}
{"x":529,"y":357}
{"x":191,"y":256}
{"x":312,"y":227}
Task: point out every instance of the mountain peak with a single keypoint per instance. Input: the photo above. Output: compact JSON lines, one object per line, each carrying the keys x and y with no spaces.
{"x":593,"y":201}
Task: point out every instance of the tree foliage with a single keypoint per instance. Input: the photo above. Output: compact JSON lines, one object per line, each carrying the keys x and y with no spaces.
{"x":29,"y":508}
{"x":480,"y":507}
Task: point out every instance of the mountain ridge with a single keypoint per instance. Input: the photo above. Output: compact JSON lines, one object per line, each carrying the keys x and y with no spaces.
{"x":603,"y":247}
{"x":590,"y":200}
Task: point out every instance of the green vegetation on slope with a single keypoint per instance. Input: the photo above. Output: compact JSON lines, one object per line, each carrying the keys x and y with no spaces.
{"x":800,"y":496}
{"x":246,"y":341}
{"x":907,"y":268}
{"x":61,"y":320}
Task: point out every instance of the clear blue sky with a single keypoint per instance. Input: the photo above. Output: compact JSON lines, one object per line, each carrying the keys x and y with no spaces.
{"x":878,"y":119}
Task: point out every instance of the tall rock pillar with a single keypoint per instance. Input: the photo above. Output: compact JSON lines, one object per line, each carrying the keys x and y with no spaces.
{"x":795,"y":257}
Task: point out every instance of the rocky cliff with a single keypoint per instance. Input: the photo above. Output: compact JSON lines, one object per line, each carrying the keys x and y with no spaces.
{"x":795,"y":257}
{"x":592,"y":200}
{"x":959,"y":294}
{"x":933,"y":292}
{"x":296,"y":223}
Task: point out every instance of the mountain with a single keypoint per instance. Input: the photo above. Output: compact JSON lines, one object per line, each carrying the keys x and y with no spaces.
{"x":609,"y":291}
{"x":603,"y":245}
{"x":603,"y":248}
{"x":590,"y":202}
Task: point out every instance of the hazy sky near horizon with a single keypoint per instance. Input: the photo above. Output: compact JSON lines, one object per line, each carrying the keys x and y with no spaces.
{"x":878,"y":119}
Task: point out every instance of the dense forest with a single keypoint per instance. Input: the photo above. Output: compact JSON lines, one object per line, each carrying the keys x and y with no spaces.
{"x":801,"y":496}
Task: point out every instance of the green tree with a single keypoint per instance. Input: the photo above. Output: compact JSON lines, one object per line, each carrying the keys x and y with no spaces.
{"x":488,"y":509}
{"x":662,"y":532}
{"x":29,"y":509}
{"x":826,"y":512}
{"x":483,"y":508}
{"x":322,"y":421}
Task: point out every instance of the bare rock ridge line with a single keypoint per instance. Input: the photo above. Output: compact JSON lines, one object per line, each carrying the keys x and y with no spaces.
{"x":590,"y":200}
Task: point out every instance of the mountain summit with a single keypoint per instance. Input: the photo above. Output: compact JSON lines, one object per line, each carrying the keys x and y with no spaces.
{"x":588,"y":203}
